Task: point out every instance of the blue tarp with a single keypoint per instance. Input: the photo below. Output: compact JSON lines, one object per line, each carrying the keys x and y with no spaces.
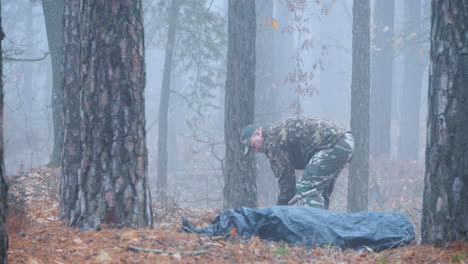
{"x":313,"y":227}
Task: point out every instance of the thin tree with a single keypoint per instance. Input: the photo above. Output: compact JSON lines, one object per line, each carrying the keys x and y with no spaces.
{"x":266,"y":109}
{"x":382,"y":78}
{"x":265,"y":106}
{"x":53,"y":16}
{"x":445,"y":214}
{"x":27,"y":67}
{"x":112,"y":184}
{"x":3,"y":184}
{"x":195,"y":41}
{"x":161,"y":180}
{"x":360,"y":86}
{"x":410,"y":94}
{"x":240,"y":187}
{"x":284,"y":46}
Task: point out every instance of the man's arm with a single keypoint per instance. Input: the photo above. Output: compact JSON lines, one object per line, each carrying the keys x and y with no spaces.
{"x":283,"y":169}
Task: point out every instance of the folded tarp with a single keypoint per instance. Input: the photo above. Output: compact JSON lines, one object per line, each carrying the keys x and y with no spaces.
{"x":313,"y":227}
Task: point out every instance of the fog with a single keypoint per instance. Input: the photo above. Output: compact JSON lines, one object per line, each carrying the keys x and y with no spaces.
{"x":196,"y":116}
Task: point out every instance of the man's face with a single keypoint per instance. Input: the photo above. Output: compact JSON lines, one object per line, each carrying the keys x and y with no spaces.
{"x":256,"y":142}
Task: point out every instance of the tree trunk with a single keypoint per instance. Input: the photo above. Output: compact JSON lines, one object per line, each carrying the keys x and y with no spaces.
{"x":284,"y":50}
{"x":3,"y":184}
{"x":161,"y":181}
{"x":240,"y":187}
{"x":71,"y":120}
{"x":408,"y":147}
{"x":333,"y":98}
{"x":382,"y":78}
{"x":445,"y":214}
{"x":53,"y":15}
{"x":28,"y":68}
{"x":112,"y":182}
{"x":359,"y":167}
{"x":265,"y":104}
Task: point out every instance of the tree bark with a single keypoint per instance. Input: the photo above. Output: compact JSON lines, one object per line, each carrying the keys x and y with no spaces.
{"x":360,"y":86}
{"x":382,"y":78}
{"x":445,"y":214}
{"x":112,"y":180}
{"x":161,"y":181}
{"x":266,"y":110}
{"x":71,"y":120}
{"x":53,"y":15}
{"x":408,"y":147}
{"x":240,"y":187}
{"x":3,"y":184}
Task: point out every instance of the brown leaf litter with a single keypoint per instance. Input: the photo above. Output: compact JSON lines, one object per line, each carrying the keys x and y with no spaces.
{"x":49,"y":240}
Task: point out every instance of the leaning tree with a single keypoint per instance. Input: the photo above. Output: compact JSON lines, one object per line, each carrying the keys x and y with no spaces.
{"x":53,"y":17}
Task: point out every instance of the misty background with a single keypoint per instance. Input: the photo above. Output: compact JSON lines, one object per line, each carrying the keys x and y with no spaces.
{"x":196,"y":113}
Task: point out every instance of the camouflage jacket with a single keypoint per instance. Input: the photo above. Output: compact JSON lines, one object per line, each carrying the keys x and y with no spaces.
{"x":290,"y":144}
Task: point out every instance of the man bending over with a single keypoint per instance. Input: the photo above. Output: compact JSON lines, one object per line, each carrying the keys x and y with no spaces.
{"x":318,"y":147}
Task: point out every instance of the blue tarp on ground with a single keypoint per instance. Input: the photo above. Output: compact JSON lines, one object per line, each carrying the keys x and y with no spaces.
{"x":312,"y":227}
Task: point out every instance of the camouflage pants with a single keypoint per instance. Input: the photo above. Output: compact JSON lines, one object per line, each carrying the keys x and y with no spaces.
{"x":318,"y":180}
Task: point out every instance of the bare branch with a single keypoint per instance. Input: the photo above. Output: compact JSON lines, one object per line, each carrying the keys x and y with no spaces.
{"x":44,"y":56}
{"x":190,"y":104}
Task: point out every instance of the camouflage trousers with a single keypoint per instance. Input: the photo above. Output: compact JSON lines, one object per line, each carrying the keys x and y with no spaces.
{"x":318,"y":180}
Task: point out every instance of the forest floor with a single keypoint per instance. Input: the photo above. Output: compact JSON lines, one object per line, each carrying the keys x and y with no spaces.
{"x":37,"y":236}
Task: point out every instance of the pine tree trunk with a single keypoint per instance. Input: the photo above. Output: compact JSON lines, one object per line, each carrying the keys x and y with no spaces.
{"x":359,"y":167}
{"x":240,"y":187}
{"x":382,"y":78}
{"x":445,"y":214}
{"x":3,"y":184}
{"x":53,"y":15}
{"x":71,"y":120}
{"x":161,"y":180}
{"x":112,"y":180}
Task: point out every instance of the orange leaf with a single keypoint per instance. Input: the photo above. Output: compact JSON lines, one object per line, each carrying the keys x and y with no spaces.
{"x":274,"y":23}
{"x":233,"y":231}
{"x":318,"y":253}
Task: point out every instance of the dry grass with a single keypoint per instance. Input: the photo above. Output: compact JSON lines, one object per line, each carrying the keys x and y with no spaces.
{"x":18,"y":218}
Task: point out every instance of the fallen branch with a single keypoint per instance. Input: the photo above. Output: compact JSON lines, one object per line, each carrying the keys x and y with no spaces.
{"x":209,"y":244}
{"x":160,"y":251}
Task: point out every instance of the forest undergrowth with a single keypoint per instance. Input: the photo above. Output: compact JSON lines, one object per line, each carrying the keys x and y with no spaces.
{"x":37,"y":236}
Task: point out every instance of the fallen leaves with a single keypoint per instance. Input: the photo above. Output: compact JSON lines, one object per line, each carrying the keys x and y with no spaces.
{"x":103,"y":256}
{"x":54,"y":242}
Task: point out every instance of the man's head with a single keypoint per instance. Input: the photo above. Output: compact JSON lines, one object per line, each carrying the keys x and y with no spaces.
{"x":251,"y":137}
